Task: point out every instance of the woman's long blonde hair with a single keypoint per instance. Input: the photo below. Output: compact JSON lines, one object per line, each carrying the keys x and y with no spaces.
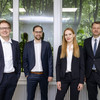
{"x":76,"y":52}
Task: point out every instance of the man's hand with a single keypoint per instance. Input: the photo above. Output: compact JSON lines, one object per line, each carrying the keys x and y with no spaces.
{"x":85,"y":79}
{"x":50,"y":79}
{"x":26,"y":76}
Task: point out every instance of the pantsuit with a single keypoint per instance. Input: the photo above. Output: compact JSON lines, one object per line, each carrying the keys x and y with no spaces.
{"x":69,"y":79}
{"x":65,"y":83}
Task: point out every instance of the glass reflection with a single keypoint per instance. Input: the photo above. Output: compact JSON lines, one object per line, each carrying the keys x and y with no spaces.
{"x":38,"y":12}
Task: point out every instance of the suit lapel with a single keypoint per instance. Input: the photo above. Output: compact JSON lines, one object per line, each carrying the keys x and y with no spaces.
{"x":13,"y":50}
{"x":2,"y":64}
{"x":89,"y":46}
{"x":42,"y":49}
{"x":72,"y":64}
{"x":98,"y":49}
{"x":1,"y":51}
{"x":33,"y":50}
{"x":65,"y":63}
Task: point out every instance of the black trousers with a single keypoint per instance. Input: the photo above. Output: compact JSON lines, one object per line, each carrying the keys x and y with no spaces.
{"x":92,"y":82}
{"x":65,"y":83}
{"x":32,"y":82}
{"x":8,"y":85}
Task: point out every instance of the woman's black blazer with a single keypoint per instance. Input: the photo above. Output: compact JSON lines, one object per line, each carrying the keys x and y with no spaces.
{"x":77,"y":66}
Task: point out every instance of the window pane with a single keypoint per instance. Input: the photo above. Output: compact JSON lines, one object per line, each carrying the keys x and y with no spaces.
{"x":37,"y":12}
{"x":5,"y":12}
{"x":79,"y":16}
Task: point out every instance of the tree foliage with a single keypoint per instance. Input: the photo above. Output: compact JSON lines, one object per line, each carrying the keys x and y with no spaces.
{"x":4,"y":8}
{"x":88,"y":11}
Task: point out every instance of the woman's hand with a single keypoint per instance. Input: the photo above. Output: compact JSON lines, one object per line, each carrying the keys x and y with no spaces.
{"x":59,"y":85}
{"x":80,"y":86}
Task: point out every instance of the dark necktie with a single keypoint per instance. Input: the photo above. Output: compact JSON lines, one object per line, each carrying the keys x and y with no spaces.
{"x":94,"y":51}
{"x":95,"y":46}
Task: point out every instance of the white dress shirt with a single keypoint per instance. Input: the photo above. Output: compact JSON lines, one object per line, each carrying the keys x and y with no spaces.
{"x":69,"y":58}
{"x":38,"y":64}
{"x":8,"y":58}
{"x":93,"y":42}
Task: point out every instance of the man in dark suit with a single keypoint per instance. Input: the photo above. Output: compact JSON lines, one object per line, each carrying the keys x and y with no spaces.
{"x":92,"y":61}
{"x":9,"y":62}
{"x":38,"y":64}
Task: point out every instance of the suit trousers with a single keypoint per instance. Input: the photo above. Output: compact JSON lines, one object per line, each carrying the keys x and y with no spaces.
{"x":67,"y":82}
{"x":32,"y":82}
{"x":8,"y":85}
{"x":92,"y":82}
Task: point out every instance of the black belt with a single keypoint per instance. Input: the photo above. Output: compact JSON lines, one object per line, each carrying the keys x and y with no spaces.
{"x":9,"y":73}
{"x":94,"y":70}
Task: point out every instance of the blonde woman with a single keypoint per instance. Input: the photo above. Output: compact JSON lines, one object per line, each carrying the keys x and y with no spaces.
{"x":69,"y":67}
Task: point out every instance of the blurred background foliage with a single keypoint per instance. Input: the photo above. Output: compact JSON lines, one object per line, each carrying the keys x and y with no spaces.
{"x":81,"y":36}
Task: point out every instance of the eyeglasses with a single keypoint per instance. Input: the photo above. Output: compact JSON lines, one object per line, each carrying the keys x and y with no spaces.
{"x":38,"y":31}
{"x":6,"y":28}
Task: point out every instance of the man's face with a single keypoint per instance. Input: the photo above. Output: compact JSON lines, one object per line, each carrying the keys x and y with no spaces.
{"x":4,"y":30}
{"x":38,"y":33}
{"x":96,"y":30}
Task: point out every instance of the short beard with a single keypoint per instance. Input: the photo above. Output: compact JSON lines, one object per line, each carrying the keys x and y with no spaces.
{"x":38,"y":39}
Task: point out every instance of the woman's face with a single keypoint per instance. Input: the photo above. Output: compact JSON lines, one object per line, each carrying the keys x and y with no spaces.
{"x":69,"y":36}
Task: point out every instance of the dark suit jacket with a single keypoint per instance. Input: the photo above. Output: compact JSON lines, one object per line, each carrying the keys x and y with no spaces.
{"x":77,"y":67}
{"x":46,"y":58}
{"x":90,"y":59}
{"x":16,"y":59}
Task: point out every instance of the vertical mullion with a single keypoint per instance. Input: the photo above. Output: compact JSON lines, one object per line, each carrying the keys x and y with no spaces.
{"x":57,"y":27}
{"x":16,"y":20}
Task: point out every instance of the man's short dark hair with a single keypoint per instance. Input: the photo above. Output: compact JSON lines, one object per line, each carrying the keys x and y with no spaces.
{"x":37,"y":26}
{"x":4,"y":21}
{"x":96,"y":22}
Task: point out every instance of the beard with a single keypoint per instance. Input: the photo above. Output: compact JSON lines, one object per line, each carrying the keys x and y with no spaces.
{"x":38,"y":38}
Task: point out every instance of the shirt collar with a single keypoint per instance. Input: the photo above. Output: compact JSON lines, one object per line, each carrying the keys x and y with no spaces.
{"x":71,"y":46}
{"x":3,"y":41}
{"x":98,"y":38}
{"x":36,"y":42}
